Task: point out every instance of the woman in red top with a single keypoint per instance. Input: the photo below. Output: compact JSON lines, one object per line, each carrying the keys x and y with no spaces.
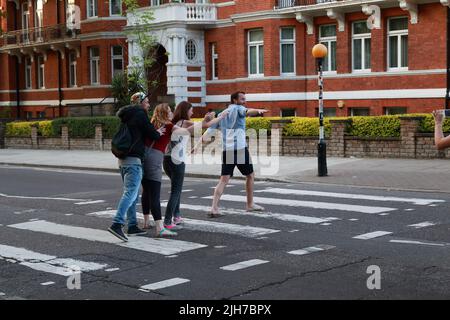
{"x":154,"y":156}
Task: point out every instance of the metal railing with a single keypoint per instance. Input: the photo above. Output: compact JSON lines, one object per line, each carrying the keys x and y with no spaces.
{"x":38,"y":35}
{"x":281,"y":4}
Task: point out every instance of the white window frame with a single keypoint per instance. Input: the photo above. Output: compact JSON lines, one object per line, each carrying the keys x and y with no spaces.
{"x":40,"y":72}
{"x":328,"y":40}
{"x":94,"y":60}
{"x":94,"y":8}
{"x":28,"y":75}
{"x":110,"y":8}
{"x":288,"y":41}
{"x":25,"y":21}
{"x":356,"y":108}
{"x":154,"y":3}
{"x":116,"y":57}
{"x":363,"y":37}
{"x":72,"y":63}
{"x":258,"y":45}
{"x":398,"y":34}
{"x":214,"y":61}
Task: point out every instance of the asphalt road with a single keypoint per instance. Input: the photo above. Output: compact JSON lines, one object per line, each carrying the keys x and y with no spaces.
{"x":302,"y":247}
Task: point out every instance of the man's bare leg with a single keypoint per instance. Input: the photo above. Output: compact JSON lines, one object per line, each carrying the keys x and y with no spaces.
{"x":249,"y":186}
{"x":218,"y":191}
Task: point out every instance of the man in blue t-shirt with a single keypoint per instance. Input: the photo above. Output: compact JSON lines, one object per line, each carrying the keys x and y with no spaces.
{"x":235,"y":150}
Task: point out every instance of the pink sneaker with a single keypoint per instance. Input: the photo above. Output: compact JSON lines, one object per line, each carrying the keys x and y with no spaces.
{"x":172,"y":227}
{"x":178,"y":220}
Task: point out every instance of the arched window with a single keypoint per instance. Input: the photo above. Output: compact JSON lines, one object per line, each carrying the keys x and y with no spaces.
{"x":191,"y":50}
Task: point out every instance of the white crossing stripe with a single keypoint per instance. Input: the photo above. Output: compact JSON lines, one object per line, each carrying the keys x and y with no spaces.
{"x":244,"y":265}
{"x":422,"y":224}
{"x":39,"y":198}
{"x":420,"y":243}
{"x":210,"y":226}
{"x":90,"y":202}
{"x":307,"y":204}
{"x":417,"y":201}
{"x":160,"y":246}
{"x":264,"y":214}
{"x":47,"y":283}
{"x":164,"y":284}
{"x":372,"y":235}
{"x":46,"y":263}
{"x":318,"y":248}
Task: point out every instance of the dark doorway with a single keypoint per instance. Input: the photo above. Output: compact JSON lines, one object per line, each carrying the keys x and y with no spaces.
{"x":157,"y":76}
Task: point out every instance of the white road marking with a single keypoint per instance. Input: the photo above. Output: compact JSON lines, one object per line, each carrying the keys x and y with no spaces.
{"x":160,"y":246}
{"x":112,"y":269}
{"x":262,"y":238}
{"x":164,"y":284}
{"x":417,"y":201}
{"x":422,"y":224}
{"x":173,"y":256}
{"x":69,"y":214}
{"x":295,"y":230}
{"x":420,"y":243}
{"x":244,"y":265}
{"x":384,"y":214}
{"x":46,"y":263}
{"x":47,"y":283}
{"x":409,"y":209}
{"x":210,"y":226}
{"x":307,"y":204}
{"x":188,"y":190}
{"x":2,"y":294}
{"x":325,"y":224}
{"x":265,"y":214}
{"x":318,"y":248}
{"x":353,"y":219}
{"x":90,"y":202}
{"x":372,"y":235}
{"x":35,"y":219}
{"x":40,"y":198}
{"x":193,"y":197}
{"x":219,"y":247}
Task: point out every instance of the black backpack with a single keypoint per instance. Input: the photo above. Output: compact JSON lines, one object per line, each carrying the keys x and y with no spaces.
{"x":122,"y":142}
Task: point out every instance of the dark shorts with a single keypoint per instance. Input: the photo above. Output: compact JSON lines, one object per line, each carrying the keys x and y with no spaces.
{"x":240,"y":158}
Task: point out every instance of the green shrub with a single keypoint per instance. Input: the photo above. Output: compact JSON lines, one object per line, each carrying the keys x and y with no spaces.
{"x":427,"y":125}
{"x":84,"y":127}
{"x":18,"y":129}
{"x":46,"y":129}
{"x":306,"y":127}
{"x":258,"y":123}
{"x":375,"y":127}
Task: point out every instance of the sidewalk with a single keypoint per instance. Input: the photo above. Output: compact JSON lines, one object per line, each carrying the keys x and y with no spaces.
{"x":405,"y":174}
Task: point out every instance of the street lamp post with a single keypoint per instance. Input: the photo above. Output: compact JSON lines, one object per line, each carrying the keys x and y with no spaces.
{"x":319,"y":52}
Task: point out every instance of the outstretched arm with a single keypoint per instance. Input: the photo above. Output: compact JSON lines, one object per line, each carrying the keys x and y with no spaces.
{"x":256,"y":112}
{"x":440,"y":141}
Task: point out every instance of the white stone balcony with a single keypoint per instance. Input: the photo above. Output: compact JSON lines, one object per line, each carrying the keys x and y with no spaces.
{"x":176,"y":13}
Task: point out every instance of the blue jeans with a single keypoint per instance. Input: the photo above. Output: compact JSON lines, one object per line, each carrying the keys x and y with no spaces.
{"x":176,"y":174}
{"x":131,"y":177}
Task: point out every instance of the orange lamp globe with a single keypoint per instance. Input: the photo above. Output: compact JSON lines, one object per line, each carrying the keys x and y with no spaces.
{"x":319,"y":51}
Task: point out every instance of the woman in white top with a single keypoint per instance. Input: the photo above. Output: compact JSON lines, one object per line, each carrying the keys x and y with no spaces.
{"x":174,"y":164}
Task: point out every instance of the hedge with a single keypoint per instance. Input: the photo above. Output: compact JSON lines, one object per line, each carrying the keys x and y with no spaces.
{"x":372,"y":126}
{"x":84,"y":127}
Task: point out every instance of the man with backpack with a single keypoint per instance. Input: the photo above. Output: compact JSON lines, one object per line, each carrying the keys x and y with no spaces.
{"x":128,"y":146}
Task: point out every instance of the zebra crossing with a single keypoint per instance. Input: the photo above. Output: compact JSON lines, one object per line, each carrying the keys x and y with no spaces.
{"x":287,"y":209}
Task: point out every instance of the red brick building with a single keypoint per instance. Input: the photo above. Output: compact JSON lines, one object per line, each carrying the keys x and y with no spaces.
{"x":216,"y":47}
{"x":51,"y":68}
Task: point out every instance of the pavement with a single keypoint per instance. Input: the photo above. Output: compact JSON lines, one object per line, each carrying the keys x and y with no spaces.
{"x":432,"y":175}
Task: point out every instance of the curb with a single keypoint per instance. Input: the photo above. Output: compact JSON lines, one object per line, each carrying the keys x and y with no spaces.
{"x":187,"y":174}
{"x":212,"y":176}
